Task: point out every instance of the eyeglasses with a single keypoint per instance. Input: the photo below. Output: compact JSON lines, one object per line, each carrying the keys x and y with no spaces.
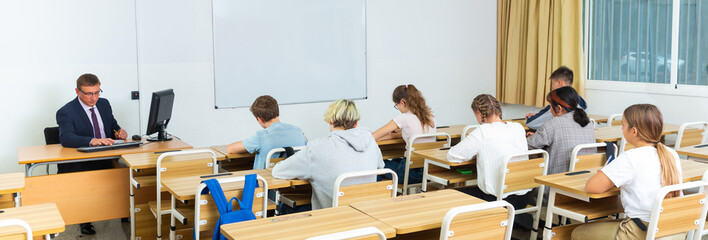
{"x":91,"y":94}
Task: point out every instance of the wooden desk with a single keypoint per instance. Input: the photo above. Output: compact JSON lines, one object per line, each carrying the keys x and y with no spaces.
{"x":395,"y":148}
{"x":695,"y":152}
{"x":33,"y":156}
{"x":305,"y":225}
{"x":84,"y":196}
{"x":418,"y":212}
{"x":574,"y":186}
{"x":183,"y":188}
{"x":438,"y":157}
{"x":44,"y":219}
{"x":233,"y":156}
{"x":614,"y":133}
{"x":12,"y":183}
{"x":599,"y":118}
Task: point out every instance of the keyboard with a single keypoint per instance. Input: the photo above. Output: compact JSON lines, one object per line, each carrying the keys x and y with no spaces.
{"x":106,"y":147}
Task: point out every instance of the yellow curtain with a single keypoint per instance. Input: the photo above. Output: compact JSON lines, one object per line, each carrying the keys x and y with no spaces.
{"x":534,"y":37}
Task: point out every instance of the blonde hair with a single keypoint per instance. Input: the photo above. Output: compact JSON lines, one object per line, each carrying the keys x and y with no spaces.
{"x":487,"y":106}
{"x":342,"y":113}
{"x":649,"y":123}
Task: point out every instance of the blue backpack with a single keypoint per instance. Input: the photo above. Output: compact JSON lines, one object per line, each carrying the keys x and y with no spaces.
{"x":226,"y":213}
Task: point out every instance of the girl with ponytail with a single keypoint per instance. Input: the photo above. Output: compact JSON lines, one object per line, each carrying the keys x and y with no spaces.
{"x":639,"y":173}
{"x":415,"y":118}
{"x":569,"y":127}
{"x":491,"y":142}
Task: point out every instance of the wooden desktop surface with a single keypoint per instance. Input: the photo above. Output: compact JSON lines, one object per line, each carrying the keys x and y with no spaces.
{"x":691,"y":171}
{"x":614,"y":133}
{"x":222,"y":150}
{"x":12,"y":182}
{"x":599,"y":118}
{"x":304,"y":225}
{"x":694,"y":151}
{"x":149,"y":159}
{"x":43,"y":219}
{"x":183,"y":188}
{"x":455,"y":131}
{"x":439,"y":155}
{"x":418,"y":212}
{"x":55,"y":152}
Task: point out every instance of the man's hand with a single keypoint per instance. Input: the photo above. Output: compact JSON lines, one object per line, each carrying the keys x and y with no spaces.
{"x":122,"y":134}
{"x":101,"y":141}
{"x":529,"y":134}
{"x":529,"y":115}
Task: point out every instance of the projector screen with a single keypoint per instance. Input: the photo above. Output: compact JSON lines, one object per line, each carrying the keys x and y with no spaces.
{"x":297,"y":51}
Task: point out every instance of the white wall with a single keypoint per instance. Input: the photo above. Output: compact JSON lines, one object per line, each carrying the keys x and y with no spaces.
{"x":676,"y":109}
{"x":446,"y":48}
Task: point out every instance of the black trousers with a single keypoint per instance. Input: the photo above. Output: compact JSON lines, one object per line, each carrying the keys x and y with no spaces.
{"x":518,"y":201}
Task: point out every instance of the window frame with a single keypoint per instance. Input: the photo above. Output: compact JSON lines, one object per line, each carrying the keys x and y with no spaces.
{"x":673,"y":88}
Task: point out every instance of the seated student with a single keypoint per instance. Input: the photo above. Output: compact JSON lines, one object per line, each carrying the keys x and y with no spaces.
{"x":415,"y":118}
{"x":275,"y":134}
{"x":639,"y":173}
{"x":346,"y":149}
{"x":561,"y":77}
{"x":491,"y":142}
{"x":569,"y":127}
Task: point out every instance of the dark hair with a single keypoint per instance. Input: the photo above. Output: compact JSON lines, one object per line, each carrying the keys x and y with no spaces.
{"x":87,"y":79}
{"x":564,"y":74}
{"x":567,"y":98}
{"x":486,"y":105}
{"x":265,"y":107}
{"x":415,"y":102}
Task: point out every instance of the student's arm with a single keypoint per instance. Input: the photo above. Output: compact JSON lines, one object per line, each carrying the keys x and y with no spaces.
{"x":236,"y":147}
{"x":387,"y":132}
{"x":537,"y":120}
{"x":542,"y":138}
{"x":297,"y":166}
{"x":466,"y":149}
{"x":599,"y":183}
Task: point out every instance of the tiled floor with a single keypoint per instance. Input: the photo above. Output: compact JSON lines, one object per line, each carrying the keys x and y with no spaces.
{"x":105,"y":230}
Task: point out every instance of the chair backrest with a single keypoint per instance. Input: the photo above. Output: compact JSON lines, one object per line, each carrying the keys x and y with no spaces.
{"x":692,"y":137}
{"x":206,"y":213}
{"x":467,"y":129}
{"x":583,"y":162}
{"x":614,"y":120}
{"x":271,"y":161}
{"x":417,"y":162}
{"x":345,"y":195}
{"x":679,"y":214}
{"x":520,"y":175}
{"x":478,"y":221}
{"x":593,"y":122}
{"x":17,"y":222}
{"x":356,"y":233}
{"x":51,"y":135}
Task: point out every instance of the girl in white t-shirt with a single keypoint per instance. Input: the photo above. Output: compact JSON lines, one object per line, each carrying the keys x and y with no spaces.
{"x":415,"y":118}
{"x":639,"y":173}
{"x":491,"y":142}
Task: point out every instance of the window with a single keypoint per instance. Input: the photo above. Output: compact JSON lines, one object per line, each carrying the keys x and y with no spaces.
{"x":631,"y":41}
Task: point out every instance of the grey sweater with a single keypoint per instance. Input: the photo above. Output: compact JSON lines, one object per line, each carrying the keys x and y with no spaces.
{"x":323,"y":160}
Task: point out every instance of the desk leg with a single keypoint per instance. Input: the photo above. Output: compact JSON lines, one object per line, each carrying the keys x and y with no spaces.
{"x":132,"y":205}
{"x":424,"y":183}
{"x":173,"y":227}
{"x":18,"y":199}
{"x":28,"y":170}
{"x":549,"y":214}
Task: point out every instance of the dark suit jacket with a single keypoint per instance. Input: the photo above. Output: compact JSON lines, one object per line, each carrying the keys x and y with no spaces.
{"x":75,"y":129}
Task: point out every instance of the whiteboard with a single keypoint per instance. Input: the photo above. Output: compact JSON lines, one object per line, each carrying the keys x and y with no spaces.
{"x":297,"y":51}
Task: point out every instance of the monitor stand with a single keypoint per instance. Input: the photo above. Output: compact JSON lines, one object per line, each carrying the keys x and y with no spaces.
{"x":161,"y":135}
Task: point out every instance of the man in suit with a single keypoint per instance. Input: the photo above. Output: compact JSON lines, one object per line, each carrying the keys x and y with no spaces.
{"x":87,"y":121}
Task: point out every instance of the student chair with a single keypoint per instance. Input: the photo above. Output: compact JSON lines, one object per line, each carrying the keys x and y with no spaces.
{"x":614,"y":120}
{"x":179,"y":165}
{"x":685,"y":213}
{"x":481,"y":224}
{"x":520,"y":175}
{"x":417,"y":162}
{"x":351,"y":234}
{"x":466,"y":130}
{"x":692,"y":137}
{"x":348,"y":194}
{"x":20,"y":223}
{"x":51,"y":135}
{"x":206,"y":213}
{"x":588,"y":161}
{"x":271,"y":161}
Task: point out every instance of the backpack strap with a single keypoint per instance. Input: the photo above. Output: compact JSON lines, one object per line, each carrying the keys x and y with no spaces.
{"x":249,"y":189}
{"x":214,"y":188}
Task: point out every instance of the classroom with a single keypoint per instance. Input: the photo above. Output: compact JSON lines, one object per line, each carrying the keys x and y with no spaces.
{"x":342,"y":70}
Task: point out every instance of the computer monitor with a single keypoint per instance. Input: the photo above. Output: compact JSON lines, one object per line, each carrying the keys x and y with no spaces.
{"x":160,"y":114}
